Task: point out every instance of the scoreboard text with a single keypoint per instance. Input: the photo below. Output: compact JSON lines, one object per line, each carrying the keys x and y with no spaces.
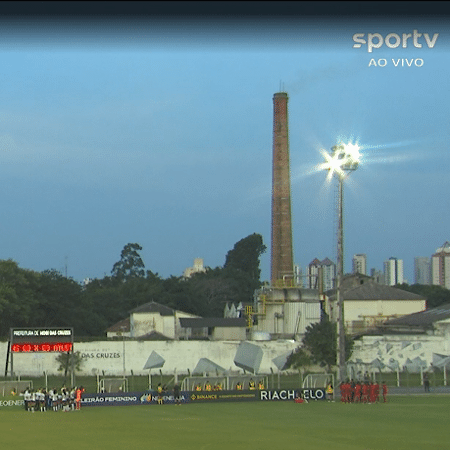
{"x":28,"y":340}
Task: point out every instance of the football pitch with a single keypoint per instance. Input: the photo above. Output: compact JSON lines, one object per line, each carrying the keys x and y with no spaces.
{"x":404,"y":423}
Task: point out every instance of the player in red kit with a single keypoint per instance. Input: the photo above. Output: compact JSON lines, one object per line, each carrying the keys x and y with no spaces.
{"x":372,"y":393}
{"x":377,"y":392}
{"x":342,"y":389}
{"x":357,"y":394}
{"x":365,"y":393}
{"x":385,"y":391}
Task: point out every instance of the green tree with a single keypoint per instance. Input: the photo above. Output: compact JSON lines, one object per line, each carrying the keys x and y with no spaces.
{"x":104,"y":301}
{"x":69,"y":361}
{"x":17,"y":298}
{"x":434,"y":295}
{"x":130,"y":264}
{"x":299,"y":359}
{"x":320,"y":340}
{"x":109,"y":301}
{"x":177,"y":293}
{"x":212,"y":289}
{"x":245,"y":256}
{"x":58,"y":301}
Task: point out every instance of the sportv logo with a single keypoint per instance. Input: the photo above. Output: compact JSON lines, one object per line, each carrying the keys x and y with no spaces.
{"x":393,"y":40}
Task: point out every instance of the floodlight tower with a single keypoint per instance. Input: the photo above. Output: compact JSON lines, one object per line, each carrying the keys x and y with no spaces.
{"x":344,"y":159}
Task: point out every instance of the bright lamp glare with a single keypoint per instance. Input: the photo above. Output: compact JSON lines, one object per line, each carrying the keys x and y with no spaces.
{"x":332,"y":163}
{"x":352,"y":152}
{"x":344,"y":158}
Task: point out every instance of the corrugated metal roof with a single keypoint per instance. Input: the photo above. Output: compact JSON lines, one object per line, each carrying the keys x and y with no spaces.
{"x":122,"y":326}
{"x":378,"y":292}
{"x":423,"y":318}
{"x":154,"y":307}
{"x":153,"y":336}
{"x":211,"y":322}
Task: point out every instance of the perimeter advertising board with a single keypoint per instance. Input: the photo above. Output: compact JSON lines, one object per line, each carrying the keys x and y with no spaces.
{"x":150,"y":398}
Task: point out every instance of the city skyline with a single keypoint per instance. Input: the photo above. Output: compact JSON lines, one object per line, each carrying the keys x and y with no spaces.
{"x":160,"y":133}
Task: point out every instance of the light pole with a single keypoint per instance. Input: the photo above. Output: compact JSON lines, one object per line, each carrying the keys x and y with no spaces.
{"x":123,"y":328}
{"x":343,"y":160}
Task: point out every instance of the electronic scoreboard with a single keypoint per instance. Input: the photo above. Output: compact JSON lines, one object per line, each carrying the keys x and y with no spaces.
{"x":29,"y":340}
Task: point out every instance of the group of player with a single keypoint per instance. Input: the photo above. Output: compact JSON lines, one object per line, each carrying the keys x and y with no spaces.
{"x":162,"y":389}
{"x":208,"y":387}
{"x":62,"y":400}
{"x":239,"y":386}
{"x":363,"y":392}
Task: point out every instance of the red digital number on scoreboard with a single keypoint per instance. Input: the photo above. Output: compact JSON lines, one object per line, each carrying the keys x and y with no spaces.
{"x":42,"y":347}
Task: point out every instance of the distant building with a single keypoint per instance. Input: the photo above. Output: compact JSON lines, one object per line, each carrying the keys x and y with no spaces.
{"x":151,"y":321}
{"x":359,"y":263}
{"x":155,"y":322}
{"x":440,"y":266}
{"x":214,"y":328}
{"x":119,"y":330}
{"x":312,"y":271}
{"x":86,"y":281}
{"x":329,"y":274}
{"x":422,"y":270}
{"x":368,"y":304}
{"x":377,"y":275}
{"x":328,"y":269}
{"x":393,"y":271}
{"x":196,"y":268}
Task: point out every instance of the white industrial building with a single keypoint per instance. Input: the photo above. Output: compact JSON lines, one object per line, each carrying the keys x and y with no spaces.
{"x":284,"y":312}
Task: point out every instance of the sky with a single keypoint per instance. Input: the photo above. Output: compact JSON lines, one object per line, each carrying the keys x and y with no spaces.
{"x":159,"y":132}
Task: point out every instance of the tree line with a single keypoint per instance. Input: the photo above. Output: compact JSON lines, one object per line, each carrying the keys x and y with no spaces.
{"x":49,"y":299}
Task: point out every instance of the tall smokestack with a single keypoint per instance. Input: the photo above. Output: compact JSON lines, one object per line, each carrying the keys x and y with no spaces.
{"x":282,"y":255}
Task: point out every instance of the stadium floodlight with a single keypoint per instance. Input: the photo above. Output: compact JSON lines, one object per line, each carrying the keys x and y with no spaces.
{"x":344,"y":158}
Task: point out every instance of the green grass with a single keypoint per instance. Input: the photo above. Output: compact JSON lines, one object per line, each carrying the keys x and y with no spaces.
{"x":405,"y":423}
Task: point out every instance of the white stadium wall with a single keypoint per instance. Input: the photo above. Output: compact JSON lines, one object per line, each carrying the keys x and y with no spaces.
{"x":109,"y":356}
{"x":399,"y":350}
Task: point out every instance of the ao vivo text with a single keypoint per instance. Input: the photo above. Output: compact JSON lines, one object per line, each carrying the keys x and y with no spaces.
{"x":401,"y":62}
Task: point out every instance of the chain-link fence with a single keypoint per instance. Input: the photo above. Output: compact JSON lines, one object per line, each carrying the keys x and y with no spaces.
{"x":275,"y":380}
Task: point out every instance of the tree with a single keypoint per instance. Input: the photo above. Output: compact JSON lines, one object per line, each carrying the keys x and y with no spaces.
{"x":434,"y":295}
{"x":59,"y":301}
{"x":104,"y":300}
{"x":130,"y":264}
{"x":17,"y":297}
{"x":321,"y":341}
{"x":245,"y":256}
{"x":212,"y":289}
{"x":69,"y":361}
{"x":177,"y":294}
{"x":298,"y":359}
